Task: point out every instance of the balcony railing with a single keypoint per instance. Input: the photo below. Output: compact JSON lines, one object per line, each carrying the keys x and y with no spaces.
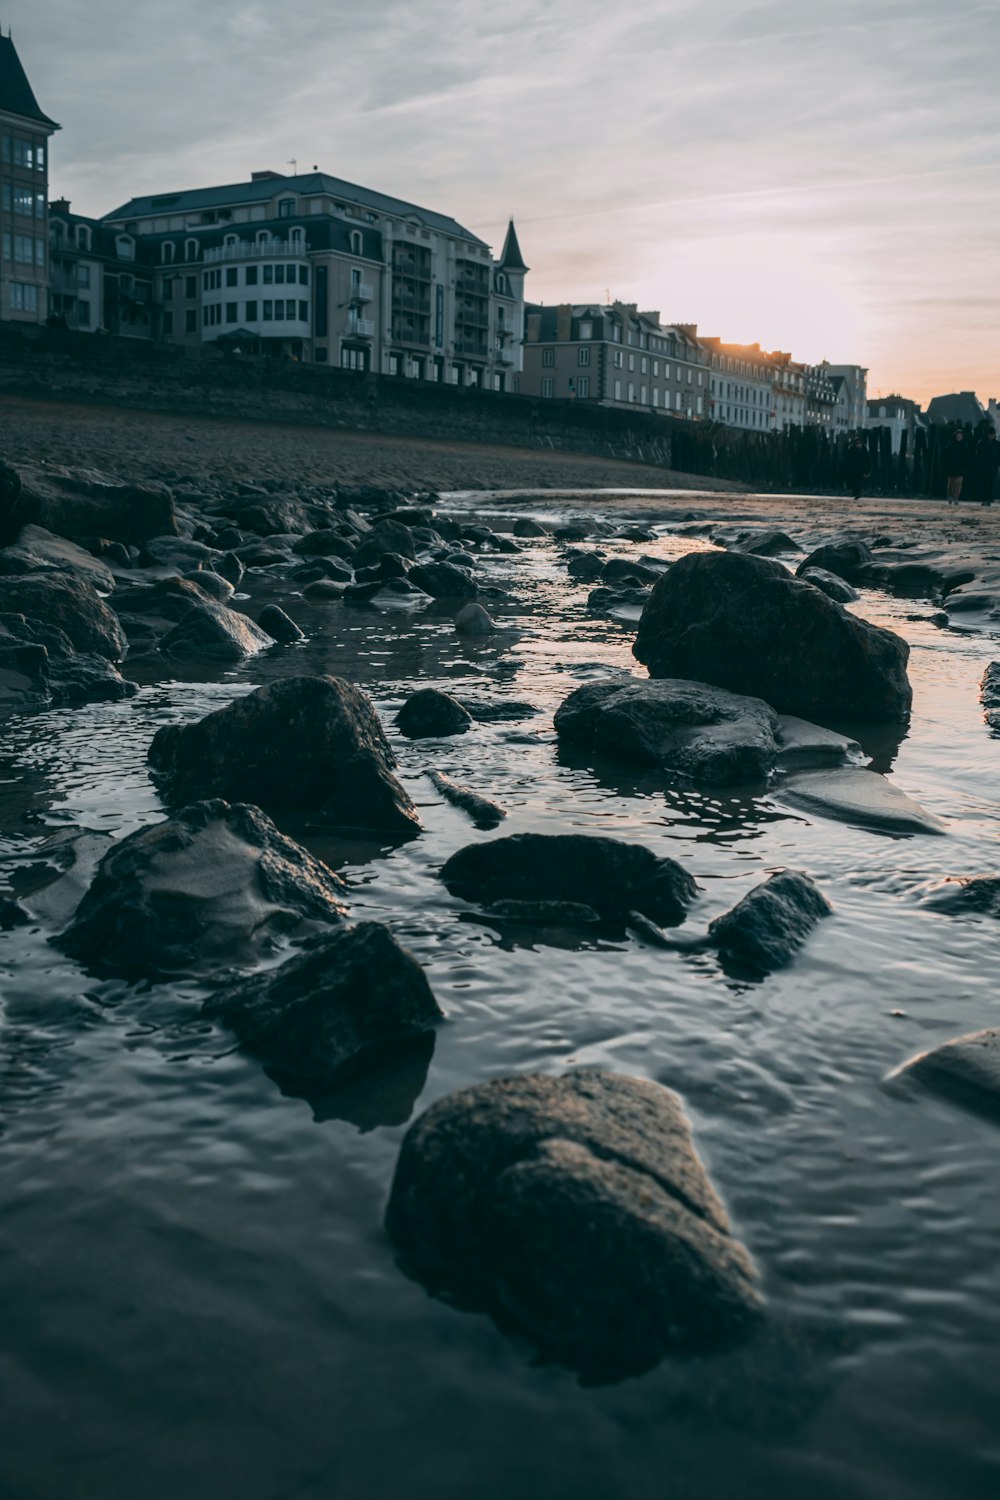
{"x":471,"y":346}
{"x":362,"y":291}
{"x":411,"y":303}
{"x":252,"y":249}
{"x":364,"y":327}
{"x":505,"y":357}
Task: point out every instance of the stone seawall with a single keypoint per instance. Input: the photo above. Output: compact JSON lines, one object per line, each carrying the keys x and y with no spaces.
{"x":87,"y":368}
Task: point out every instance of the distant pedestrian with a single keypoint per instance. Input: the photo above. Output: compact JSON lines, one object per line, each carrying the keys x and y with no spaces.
{"x":857,"y":467}
{"x":956,"y":466}
{"x":985,"y":466}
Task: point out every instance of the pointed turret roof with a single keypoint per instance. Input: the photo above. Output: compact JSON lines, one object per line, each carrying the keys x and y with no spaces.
{"x":512,"y":259}
{"x":16,"y":96}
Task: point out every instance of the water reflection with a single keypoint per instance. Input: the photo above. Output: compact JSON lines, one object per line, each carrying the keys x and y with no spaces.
{"x":384,"y":1094}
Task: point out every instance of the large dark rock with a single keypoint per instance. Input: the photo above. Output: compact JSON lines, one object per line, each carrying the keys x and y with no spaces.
{"x":764,"y":930}
{"x":178,"y":553}
{"x":312,"y":742}
{"x":846,"y":557}
{"x":698,"y":731}
{"x":526,"y":527}
{"x":965,"y":1070}
{"x":611,"y":877}
{"x":276,"y":516}
{"x":586,"y":567}
{"x":443,"y":580}
{"x":579,"y":1206}
{"x":352,"y":996}
{"x":626,"y":571}
{"x":429,"y":713}
{"x":40,"y":669}
{"x":214,"y":885}
{"x":829,"y":584}
{"x":73,"y":606}
{"x":767,"y":543}
{"x":278,"y":625}
{"x":387,"y":536}
{"x":214,"y":633}
{"x":973,"y":895}
{"x":743,"y":623}
{"x":83,"y":503}
{"x":324,"y":543}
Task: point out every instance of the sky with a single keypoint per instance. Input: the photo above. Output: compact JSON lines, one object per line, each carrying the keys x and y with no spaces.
{"x":821,"y":179}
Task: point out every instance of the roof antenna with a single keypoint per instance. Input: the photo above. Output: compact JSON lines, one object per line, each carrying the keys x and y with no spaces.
{"x":293,"y":161}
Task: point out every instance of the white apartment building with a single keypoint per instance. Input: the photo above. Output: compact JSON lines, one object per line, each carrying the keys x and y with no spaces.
{"x":741,"y":391}
{"x":850,"y":412}
{"x":318,"y":269}
{"x":25,"y":133}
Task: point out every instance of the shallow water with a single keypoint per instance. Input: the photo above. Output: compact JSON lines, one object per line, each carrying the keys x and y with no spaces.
{"x":198,"y":1295}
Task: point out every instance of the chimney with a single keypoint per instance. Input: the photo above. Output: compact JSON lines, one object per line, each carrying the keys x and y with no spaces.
{"x":59,"y":206}
{"x":564,"y":322}
{"x":533,"y":328}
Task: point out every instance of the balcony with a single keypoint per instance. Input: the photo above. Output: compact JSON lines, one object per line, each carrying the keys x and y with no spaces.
{"x":257,"y":249}
{"x":363,"y":327}
{"x":472,"y":347}
{"x":505,"y":357}
{"x":412,"y":270}
{"x":411,"y":302}
{"x":362,"y":291}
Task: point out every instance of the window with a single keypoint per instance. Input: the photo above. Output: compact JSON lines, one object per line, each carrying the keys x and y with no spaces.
{"x":548,"y":356}
{"x":642,"y":395}
{"x":356,"y":242}
{"x":656,"y":395}
{"x":644,"y":366}
{"x":618,"y":390}
{"x":631,"y":362}
{"x":583,"y":386}
{"x":619,"y":357}
{"x":39,"y":205}
{"x":232,"y":312}
{"x":212,"y":280}
{"x":191,"y":321}
{"x":167,"y":253}
{"x":583,"y":356}
{"x":279,"y":275}
{"x":24,"y":154}
{"x":24,"y":201}
{"x":83,"y":277}
{"x":303,"y":312}
{"x":547,"y":385}
{"x":211,"y":316}
{"x":268,"y":275}
{"x":290,"y":308}
{"x":232,"y":275}
{"x":7,"y":200}
{"x":23,"y":298}
{"x":24,"y":249}
{"x":631,"y":390}
{"x":39,"y":251}
{"x":190,"y":286}
{"x":269,"y":312}
{"x":251,"y":275}
{"x":586,"y":330}
{"x":656,"y":368}
{"x":83,"y":315}
{"x":251,"y":312}
{"x":295,"y":238}
{"x":6,"y":149}
{"x":168,"y":288}
{"x":190,"y":249}
{"x":677,"y":400}
{"x":286,"y":208}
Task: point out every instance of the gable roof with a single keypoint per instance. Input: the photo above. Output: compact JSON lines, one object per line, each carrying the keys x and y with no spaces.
{"x":16,"y":96}
{"x":193,"y":199}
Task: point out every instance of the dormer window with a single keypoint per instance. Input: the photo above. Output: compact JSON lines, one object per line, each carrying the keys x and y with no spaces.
{"x":295,"y":237}
{"x":190,"y":249}
{"x":82,"y":237}
{"x":286,"y":208}
{"x":125,"y":247}
{"x":356,"y":242}
{"x":231,"y":241}
{"x":503,"y":285}
{"x":167,"y":252}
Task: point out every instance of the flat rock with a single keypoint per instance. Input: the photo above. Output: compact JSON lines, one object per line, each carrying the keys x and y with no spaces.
{"x":686,"y":727}
{"x":607,"y":874}
{"x":834,"y":587}
{"x":801,"y":744}
{"x":855,"y":795}
{"x":764,"y":930}
{"x":351,"y":997}
{"x":430,"y":713}
{"x":86,"y":503}
{"x":745,"y":624}
{"x":580,"y":1206}
{"x":965,"y":1070}
{"x":214,"y":885}
{"x":36,"y":550}
{"x":310,"y":742}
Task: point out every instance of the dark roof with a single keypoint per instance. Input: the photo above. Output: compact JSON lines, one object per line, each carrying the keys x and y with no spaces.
{"x":512,"y":259}
{"x":230,"y":194}
{"x":960,"y":406}
{"x":16,"y":97}
{"x":321,"y":233}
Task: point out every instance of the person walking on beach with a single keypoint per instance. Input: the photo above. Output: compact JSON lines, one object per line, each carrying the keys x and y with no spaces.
{"x":857,"y":467}
{"x":956,"y":465}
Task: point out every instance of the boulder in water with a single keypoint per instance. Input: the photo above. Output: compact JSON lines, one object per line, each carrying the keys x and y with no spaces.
{"x":846,"y":557}
{"x":429,"y":713}
{"x":608,"y":875}
{"x":764,"y":930}
{"x":989,"y":693}
{"x":278,"y":625}
{"x":213,"y":632}
{"x":745,"y":624}
{"x":687,"y":727}
{"x":580,"y":1206}
{"x":35,"y":550}
{"x":965,"y":1070}
{"x":213,"y":885}
{"x":834,"y":587}
{"x":73,"y":606}
{"x":857,"y":795}
{"x":351,"y":997}
{"x":473,"y":619}
{"x":82,"y":503}
{"x":443,"y":580}
{"x":311,"y":742}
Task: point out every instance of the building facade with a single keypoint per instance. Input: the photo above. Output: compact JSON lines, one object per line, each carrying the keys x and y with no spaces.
{"x":98,"y":282}
{"x":614,"y":355}
{"x":821,"y":398}
{"x":741,"y":389}
{"x":901,"y":416}
{"x":850,"y":412}
{"x":25,"y":133}
{"x":318,"y":269}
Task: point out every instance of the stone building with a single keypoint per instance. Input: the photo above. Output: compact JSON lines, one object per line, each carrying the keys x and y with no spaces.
{"x":25,"y":132}
{"x":614,"y":355}
{"x":821,"y":398}
{"x":741,"y":390}
{"x":900,"y":415}
{"x":318,"y":269}
{"x":99,"y":280}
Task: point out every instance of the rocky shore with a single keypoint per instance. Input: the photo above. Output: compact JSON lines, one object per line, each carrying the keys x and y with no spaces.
{"x":577,"y":1208}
